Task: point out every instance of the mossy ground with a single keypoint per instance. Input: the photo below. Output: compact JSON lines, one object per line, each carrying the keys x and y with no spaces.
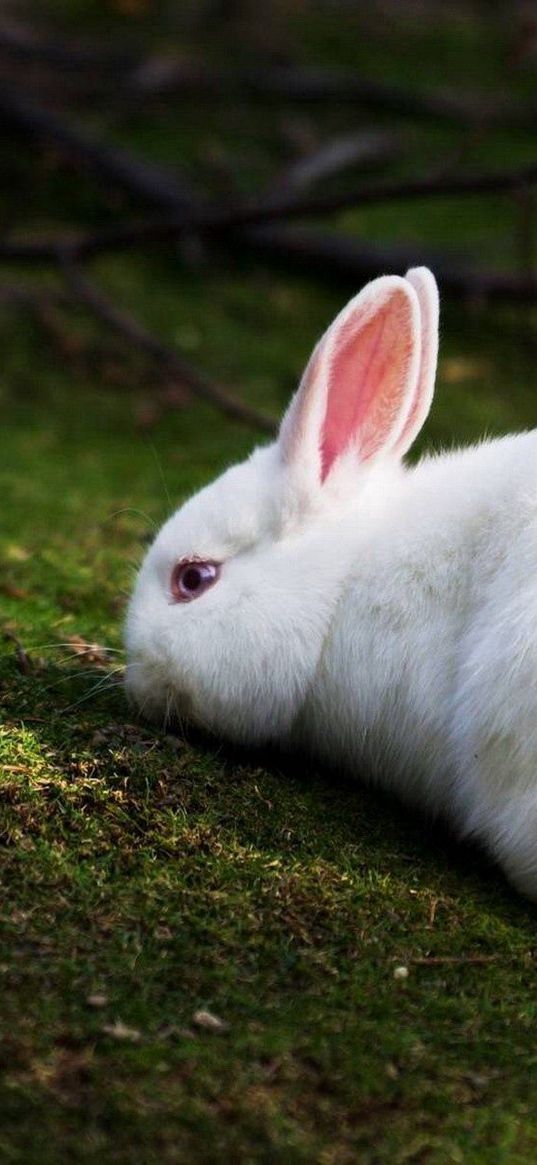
{"x":166,"y":875}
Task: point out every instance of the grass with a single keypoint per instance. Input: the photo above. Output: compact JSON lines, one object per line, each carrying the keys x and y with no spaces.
{"x":146,"y":878}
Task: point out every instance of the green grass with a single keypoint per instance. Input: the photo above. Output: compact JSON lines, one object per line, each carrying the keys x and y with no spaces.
{"x":167,"y":876}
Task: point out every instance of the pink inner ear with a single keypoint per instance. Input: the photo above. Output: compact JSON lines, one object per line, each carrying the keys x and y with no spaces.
{"x":367,"y":381}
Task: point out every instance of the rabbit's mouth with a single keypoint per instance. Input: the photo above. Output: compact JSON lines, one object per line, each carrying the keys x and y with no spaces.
{"x":154,"y":697}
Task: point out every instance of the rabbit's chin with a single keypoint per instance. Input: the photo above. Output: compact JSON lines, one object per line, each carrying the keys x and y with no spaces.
{"x":155,"y":698}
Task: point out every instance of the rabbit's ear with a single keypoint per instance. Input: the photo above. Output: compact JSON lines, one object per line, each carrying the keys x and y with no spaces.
{"x":427,"y":291}
{"x":361,"y":383}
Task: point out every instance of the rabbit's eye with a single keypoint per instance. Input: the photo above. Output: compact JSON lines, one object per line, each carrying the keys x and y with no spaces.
{"x":191,"y":579}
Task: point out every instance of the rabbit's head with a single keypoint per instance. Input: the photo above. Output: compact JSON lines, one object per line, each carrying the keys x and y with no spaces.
{"x":236,"y":595}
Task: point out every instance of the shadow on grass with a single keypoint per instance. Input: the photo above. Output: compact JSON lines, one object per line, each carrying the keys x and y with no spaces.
{"x":275,"y":802}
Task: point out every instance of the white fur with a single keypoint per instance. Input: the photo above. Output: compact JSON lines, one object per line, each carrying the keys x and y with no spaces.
{"x":386,"y":619}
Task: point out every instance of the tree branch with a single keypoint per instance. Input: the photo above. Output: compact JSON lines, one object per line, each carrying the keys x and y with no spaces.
{"x":24,"y":44}
{"x":126,"y":325}
{"x":164,"y":75}
{"x":335,"y":252}
{"x":158,"y":186}
{"x":154,"y":184}
{"x":214,"y":220}
{"x":158,"y":75}
{"x":339,"y":255}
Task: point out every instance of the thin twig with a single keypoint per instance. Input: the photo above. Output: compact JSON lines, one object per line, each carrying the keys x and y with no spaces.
{"x":123,"y":322}
{"x":368,"y":149}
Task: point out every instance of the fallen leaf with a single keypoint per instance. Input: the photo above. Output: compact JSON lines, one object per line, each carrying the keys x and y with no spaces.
{"x":120,"y":1031}
{"x":13,"y":592}
{"x":172,"y":1032}
{"x":92,"y":652}
{"x":210,"y":1022}
{"x":16,"y":553}
{"x":98,"y":999}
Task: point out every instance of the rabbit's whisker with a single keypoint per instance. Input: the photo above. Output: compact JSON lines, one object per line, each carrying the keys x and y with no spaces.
{"x":131,"y":510}
{"x":82,"y":650}
{"x":107,"y":684}
{"x":158,"y":464}
{"x":80,"y":675}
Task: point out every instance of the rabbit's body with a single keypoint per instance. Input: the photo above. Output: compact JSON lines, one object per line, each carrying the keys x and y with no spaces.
{"x":379,"y":615}
{"x":430,"y":647}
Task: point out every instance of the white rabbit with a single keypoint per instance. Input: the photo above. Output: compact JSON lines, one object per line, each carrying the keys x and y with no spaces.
{"x":325,"y":595}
